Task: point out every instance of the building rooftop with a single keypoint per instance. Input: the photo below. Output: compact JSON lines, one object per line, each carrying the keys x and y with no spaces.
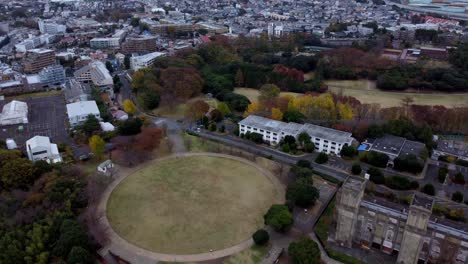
{"x":82,"y":108}
{"x":394,"y":146}
{"x":295,"y":128}
{"x":422,"y":201}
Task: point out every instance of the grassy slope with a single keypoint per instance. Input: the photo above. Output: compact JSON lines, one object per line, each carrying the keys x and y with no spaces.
{"x":190,"y":205}
{"x":252,"y":255}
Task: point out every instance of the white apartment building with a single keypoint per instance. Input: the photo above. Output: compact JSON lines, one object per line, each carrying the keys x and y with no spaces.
{"x":143,"y":61}
{"x":104,"y":43}
{"x":52,"y":75}
{"x":78,"y":112}
{"x":50,"y":27}
{"x":40,"y":148}
{"x":95,"y":72}
{"x":325,"y":139}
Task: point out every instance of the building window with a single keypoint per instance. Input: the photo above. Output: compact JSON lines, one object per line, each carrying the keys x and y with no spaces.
{"x":333,"y":143}
{"x":268,"y":132}
{"x":274,"y":134}
{"x":261,"y":130}
{"x":326,"y":141}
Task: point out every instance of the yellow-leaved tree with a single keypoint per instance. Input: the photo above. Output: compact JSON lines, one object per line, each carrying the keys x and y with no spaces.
{"x":97,"y":144}
{"x":129,"y":106}
{"x":276,"y":114}
{"x":345,"y":111}
{"x":252,"y":108}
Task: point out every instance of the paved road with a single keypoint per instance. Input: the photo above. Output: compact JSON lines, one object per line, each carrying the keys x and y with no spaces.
{"x":337,"y":173}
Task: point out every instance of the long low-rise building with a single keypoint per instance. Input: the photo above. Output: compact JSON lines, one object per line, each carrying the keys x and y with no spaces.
{"x":143,"y":61}
{"x":325,"y":139}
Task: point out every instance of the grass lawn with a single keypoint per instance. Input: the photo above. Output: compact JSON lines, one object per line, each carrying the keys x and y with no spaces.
{"x":191,"y":205}
{"x":366,"y":92}
{"x":253,"y":255}
{"x":252,"y":94}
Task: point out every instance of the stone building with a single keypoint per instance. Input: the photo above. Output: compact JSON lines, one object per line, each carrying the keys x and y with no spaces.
{"x":413,"y":234}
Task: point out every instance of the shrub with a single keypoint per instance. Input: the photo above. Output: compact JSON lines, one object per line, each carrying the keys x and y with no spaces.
{"x":285,"y":148}
{"x":279,"y":218}
{"x":356,"y":169}
{"x":414,"y":185}
{"x":261,"y":237}
{"x":456,"y":215}
{"x":222,"y":129}
{"x":289,"y":140}
{"x":321,"y":158}
{"x":409,"y":163}
{"x":376,"y":176}
{"x":428,"y":189}
{"x":131,"y":126}
{"x":254,"y":137}
{"x":457,"y":197}
{"x":304,"y":163}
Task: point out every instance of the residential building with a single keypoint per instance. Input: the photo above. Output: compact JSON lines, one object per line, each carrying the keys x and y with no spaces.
{"x":52,"y":75}
{"x":95,"y":72}
{"x":37,"y":59}
{"x":104,"y":43}
{"x":51,"y":27}
{"x":14,"y":112}
{"x":139,"y":44}
{"x":143,"y":61}
{"x":40,"y":148}
{"x":325,"y":139}
{"x":76,"y":91}
{"x":412,"y":234}
{"x":78,"y":112}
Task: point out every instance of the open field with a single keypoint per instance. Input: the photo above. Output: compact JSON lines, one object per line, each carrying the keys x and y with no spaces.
{"x":366,"y":92}
{"x":252,"y":93}
{"x":190,"y":205}
{"x":36,"y":94}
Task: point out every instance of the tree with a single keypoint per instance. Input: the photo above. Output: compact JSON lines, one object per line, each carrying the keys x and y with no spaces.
{"x":356,"y":169}
{"x":457,"y":197}
{"x":276,"y":114}
{"x":442,"y":174}
{"x":16,"y":173}
{"x":41,"y":167}
{"x":302,"y":192}
{"x":97,"y":144}
{"x":376,"y":176}
{"x":71,"y":235}
{"x":268,"y":91}
{"x":279,"y":218}
{"x":304,"y":163}
{"x":109,"y":66}
{"x":321,"y":158}
{"x":261,"y":237}
{"x":459,"y":178}
{"x":252,"y":109}
{"x":428,"y":189}
{"x":129,"y":106}
{"x":406,"y":102}
{"x":239,"y":78}
{"x":79,"y":255}
{"x":293,"y":116}
{"x":131,"y":126}
{"x":149,"y":99}
{"x":127,"y":62}
{"x":304,"y":251}
{"x":345,"y":111}
{"x":289,"y":140}
{"x":91,"y":125}
{"x":409,"y":163}
{"x":304,"y":138}
{"x":348,"y":151}
{"x":196,"y":109}
{"x":224,"y":108}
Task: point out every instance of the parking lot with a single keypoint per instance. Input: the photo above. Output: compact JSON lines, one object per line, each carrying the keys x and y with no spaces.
{"x":47,"y":117}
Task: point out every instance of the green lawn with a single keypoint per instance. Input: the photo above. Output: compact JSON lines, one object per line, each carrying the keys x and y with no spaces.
{"x":191,"y":205}
{"x":252,"y":255}
{"x":252,"y":94}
